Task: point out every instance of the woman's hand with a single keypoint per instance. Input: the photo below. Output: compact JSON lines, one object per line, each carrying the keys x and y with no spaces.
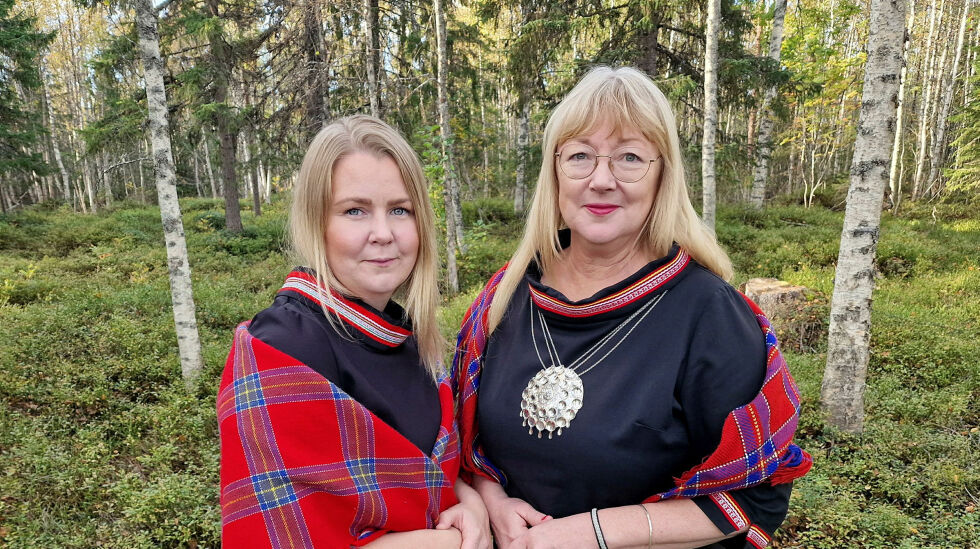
{"x":564,"y":533}
{"x":472,"y":523}
{"x":509,"y":517}
{"x":469,"y":516}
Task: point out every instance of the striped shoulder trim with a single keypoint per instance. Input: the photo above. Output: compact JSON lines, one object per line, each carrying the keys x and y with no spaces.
{"x":627,"y":295}
{"x":757,"y":537}
{"x":366,"y":322}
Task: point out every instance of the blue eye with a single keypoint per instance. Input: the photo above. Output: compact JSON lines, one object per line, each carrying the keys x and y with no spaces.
{"x":401,"y":211}
{"x":631,"y":157}
{"x":354,"y":212}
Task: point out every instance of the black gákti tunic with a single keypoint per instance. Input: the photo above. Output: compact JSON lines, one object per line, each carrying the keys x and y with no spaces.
{"x":652,"y":409}
{"x":388,"y":379}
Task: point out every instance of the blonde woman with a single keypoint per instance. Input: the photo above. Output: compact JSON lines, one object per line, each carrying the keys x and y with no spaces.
{"x":615,"y":391}
{"x":336,"y":420}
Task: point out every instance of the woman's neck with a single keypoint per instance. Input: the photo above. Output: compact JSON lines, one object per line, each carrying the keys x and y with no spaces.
{"x":580,"y":273}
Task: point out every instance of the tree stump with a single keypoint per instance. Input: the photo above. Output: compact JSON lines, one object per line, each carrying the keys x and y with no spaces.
{"x":775,"y":297}
{"x":797,"y":313}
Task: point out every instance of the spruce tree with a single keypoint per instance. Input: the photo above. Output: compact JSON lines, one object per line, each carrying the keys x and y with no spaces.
{"x":20,"y":126}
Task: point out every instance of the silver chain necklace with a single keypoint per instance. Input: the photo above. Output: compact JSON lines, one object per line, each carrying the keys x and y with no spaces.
{"x":555,"y":394}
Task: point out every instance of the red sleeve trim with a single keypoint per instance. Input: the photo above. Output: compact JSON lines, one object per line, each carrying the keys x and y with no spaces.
{"x":757,"y":537}
{"x":732,"y":510}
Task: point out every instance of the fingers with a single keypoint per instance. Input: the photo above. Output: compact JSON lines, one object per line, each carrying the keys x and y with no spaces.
{"x":448,"y":519}
{"x":531,"y":516}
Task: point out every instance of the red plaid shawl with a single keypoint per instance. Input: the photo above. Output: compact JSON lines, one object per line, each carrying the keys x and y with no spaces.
{"x":305,"y":465}
{"x":756,"y":441}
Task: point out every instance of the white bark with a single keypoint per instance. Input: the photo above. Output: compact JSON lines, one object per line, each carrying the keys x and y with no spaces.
{"x":450,"y":190}
{"x":928,"y":78}
{"x":523,"y":136}
{"x":938,"y":154}
{"x":89,"y":189}
{"x":710,"y":112}
{"x":894,"y":179}
{"x":207,"y":164}
{"x":842,"y":393}
{"x":188,"y":342}
{"x":65,"y":181}
{"x":197,"y":175}
{"x":764,"y":138}
{"x":371,"y":55}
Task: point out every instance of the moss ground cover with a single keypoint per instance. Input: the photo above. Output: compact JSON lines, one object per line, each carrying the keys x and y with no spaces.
{"x":101,"y":447}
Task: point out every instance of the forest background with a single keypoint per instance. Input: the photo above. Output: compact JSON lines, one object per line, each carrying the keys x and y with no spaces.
{"x":100,"y":443}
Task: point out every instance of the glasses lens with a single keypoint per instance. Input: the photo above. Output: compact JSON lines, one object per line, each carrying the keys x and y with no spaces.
{"x":577,"y":161}
{"x":629,"y":166}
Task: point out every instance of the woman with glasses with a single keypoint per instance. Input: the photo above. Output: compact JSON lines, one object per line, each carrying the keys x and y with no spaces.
{"x":614,"y":391}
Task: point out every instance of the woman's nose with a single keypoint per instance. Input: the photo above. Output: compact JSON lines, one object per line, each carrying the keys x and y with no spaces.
{"x":381,"y":232}
{"x":602,"y":177}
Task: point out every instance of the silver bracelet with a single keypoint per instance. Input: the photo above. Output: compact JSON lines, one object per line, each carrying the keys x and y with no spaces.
{"x":598,"y":529}
{"x":649,"y":527}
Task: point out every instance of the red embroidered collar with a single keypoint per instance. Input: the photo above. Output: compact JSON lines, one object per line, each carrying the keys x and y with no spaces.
{"x":353,"y":313}
{"x":649,"y":283}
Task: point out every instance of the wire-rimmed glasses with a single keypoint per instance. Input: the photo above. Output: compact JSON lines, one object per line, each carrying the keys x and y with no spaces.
{"x":578,"y":161}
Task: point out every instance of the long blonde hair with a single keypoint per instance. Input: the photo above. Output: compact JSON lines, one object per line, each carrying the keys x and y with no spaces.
{"x":308,"y":219}
{"x":627,"y":98}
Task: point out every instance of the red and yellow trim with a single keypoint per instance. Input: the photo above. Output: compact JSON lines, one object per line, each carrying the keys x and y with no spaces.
{"x":757,"y":537}
{"x":732,"y":510}
{"x":624,"y":297}
{"x":364,"y":321}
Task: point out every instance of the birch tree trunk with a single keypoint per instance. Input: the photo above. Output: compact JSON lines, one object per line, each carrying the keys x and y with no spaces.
{"x":842,"y":393}
{"x":894,"y":177}
{"x":197,"y":175}
{"x":450,"y":190}
{"x":369,"y":26}
{"x":188,"y":343}
{"x":252,"y":180}
{"x":523,"y":134}
{"x":928,"y":79}
{"x":89,"y":189}
{"x":938,"y":155}
{"x":764,"y":138}
{"x":207,"y":164}
{"x":710,"y":112}
{"x":106,"y":180}
{"x":55,"y":149}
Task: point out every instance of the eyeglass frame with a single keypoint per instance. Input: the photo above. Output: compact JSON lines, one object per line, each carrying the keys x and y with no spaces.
{"x":596,"y":165}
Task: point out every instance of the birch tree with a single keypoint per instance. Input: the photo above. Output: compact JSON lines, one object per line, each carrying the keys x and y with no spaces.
{"x":928,"y":80}
{"x":842,"y":393}
{"x":523,"y":134}
{"x":710,"y":112}
{"x":450,"y":185}
{"x":188,"y":342}
{"x":369,"y":27}
{"x":894,"y":178}
{"x":764,"y":138}
{"x":938,"y":153}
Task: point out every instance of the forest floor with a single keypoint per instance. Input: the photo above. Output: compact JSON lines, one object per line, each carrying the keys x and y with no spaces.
{"x":100,"y":446}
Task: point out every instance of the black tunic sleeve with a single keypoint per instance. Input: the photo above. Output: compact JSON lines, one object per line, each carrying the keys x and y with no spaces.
{"x":725,"y":369}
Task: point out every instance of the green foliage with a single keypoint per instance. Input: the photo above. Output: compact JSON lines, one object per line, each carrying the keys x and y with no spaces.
{"x":964,"y":176}
{"x":100,"y":441}
{"x":20,"y":127}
